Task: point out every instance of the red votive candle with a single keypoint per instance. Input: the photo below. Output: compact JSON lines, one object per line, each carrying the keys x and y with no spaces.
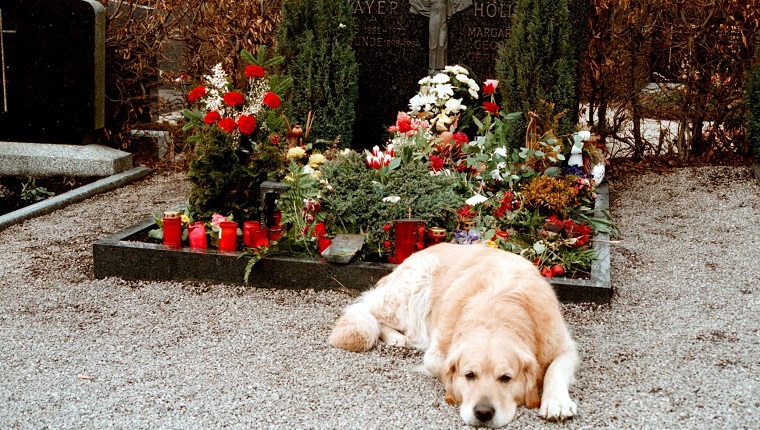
{"x":172,"y":229}
{"x":277,"y":217}
{"x":409,"y":235}
{"x":197,"y":235}
{"x":227,"y":236}
{"x":275,"y":233}
{"x":260,"y":237}
{"x":248,"y":228}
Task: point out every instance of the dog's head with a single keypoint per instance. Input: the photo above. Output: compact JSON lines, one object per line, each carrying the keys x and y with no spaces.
{"x":490,"y":376}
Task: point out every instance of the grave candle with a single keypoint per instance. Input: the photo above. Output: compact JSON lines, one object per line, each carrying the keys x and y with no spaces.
{"x":227,"y":236}
{"x":172,"y":222}
{"x":409,"y":238}
{"x":435,"y":235}
{"x":248,"y":228}
{"x":197,"y":235}
{"x":260,"y":237}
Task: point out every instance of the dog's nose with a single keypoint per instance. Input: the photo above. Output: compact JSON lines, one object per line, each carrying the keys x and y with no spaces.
{"x":484,"y":412}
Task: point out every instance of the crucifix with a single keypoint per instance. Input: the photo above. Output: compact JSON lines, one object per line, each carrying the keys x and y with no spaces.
{"x":2,"y":61}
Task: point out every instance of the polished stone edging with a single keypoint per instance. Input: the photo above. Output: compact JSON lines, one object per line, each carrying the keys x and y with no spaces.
{"x":76,"y":195}
{"x":114,"y":256}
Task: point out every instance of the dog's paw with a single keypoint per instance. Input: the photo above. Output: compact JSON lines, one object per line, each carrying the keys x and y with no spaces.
{"x":395,"y":339}
{"x":557,"y":409}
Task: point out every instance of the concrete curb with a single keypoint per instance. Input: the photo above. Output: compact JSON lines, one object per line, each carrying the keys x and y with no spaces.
{"x":76,"y":195}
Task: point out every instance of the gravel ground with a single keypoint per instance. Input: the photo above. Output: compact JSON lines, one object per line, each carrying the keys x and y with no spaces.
{"x":677,"y":348}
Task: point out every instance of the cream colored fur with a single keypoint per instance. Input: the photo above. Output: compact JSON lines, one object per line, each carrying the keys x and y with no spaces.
{"x":489,"y":324}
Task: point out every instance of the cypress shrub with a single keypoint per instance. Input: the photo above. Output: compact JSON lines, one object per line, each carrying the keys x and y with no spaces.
{"x":752,"y":100}
{"x":315,"y":39}
{"x":538,"y":64}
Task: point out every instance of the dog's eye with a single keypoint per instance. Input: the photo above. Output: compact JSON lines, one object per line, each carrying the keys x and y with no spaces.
{"x":470,"y":376}
{"x":505,"y":378}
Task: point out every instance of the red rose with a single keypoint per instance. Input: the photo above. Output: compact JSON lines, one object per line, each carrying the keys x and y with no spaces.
{"x":247,"y":124}
{"x":227,"y":124}
{"x":272,"y":100}
{"x":546,"y":272}
{"x":460,"y":138}
{"x":491,"y":107}
{"x":211,"y":117}
{"x":502,"y":234}
{"x":404,"y":124}
{"x":387,"y":227}
{"x":234,"y":99}
{"x":557,"y":270}
{"x":536,"y":261}
{"x":254,"y":71}
{"x":488,"y":89}
{"x":387,"y":244}
{"x":196,"y":94}
{"x":436,"y":163}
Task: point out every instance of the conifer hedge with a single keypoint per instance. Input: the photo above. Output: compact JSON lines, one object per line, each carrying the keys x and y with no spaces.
{"x":315,"y":39}
{"x":538,"y":64}
{"x":752,"y":100}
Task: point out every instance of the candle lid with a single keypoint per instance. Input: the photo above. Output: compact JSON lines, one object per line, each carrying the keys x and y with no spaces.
{"x":171,"y":214}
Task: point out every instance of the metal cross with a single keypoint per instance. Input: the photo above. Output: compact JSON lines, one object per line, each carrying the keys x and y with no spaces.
{"x":2,"y":61}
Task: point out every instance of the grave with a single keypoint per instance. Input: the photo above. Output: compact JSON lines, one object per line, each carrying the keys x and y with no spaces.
{"x":52,"y":59}
{"x":124,"y":256}
{"x":392,"y":41}
{"x":53,"y":71}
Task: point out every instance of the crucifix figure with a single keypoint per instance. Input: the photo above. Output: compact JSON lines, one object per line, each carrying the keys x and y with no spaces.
{"x":439,"y":12}
{"x":2,"y":61}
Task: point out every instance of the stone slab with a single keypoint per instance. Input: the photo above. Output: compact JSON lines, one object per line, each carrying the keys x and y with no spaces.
{"x":44,"y":160}
{"x":115,"y":256}
{"x":76,"y":195}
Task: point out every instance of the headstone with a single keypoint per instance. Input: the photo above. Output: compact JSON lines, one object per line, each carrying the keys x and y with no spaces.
{"x":54,"y":70}
{"x":397,"y":42}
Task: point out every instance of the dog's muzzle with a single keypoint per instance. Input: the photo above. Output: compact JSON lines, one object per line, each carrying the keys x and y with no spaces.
{"x":483,"y":412}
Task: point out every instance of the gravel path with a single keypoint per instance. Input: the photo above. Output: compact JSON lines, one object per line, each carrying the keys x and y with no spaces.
{"x":677,"y":348}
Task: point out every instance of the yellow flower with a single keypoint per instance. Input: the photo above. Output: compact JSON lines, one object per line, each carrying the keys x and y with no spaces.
{"x":185,"y":219}
{"x":316,"y":160}
{"x":296,"y":152}
{"x":492,"y":244}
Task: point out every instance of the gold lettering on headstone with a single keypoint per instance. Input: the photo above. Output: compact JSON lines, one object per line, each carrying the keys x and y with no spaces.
{"x":2,"y":61}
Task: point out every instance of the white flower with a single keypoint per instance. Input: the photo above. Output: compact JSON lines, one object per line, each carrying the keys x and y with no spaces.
{"x":444,"y":91}
{"x":462,"y":78}
{"x":424,"y":81}
{"x":341,"y":25}
{"x":454,"y":106}
{"x":456,"y":69}
{"x":441,"y":78}
{"x":476,"y":200}
{"x":391,"y":199}
{"x":584,"y":135}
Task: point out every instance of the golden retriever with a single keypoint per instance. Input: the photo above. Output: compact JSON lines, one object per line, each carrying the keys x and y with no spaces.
{"x":489,"y":323}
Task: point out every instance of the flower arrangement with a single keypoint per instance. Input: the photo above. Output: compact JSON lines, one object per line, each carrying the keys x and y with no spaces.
{"x":464,"y":180}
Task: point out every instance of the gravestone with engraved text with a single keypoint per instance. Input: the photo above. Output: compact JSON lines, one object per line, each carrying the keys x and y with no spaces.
{"x":392,"y":50}
{"x":54,"y":70}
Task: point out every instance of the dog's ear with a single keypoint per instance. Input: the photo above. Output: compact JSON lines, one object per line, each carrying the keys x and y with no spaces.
{"x":531,"y":398}
{"x":448,"y":372}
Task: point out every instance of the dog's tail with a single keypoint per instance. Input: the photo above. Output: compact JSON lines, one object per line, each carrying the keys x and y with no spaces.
{"x":357,"y":330}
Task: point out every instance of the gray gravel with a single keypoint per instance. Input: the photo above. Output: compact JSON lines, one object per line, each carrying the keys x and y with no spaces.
{"x":677,"y":348}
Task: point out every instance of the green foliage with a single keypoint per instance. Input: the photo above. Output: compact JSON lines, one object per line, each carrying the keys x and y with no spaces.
{"x":538,"y":64}
{"x":752,"y":99}
{"x":226,"y":178}
{"x":315,"y":37}
{"x":356,"y":203}
{"x":30,"y":192}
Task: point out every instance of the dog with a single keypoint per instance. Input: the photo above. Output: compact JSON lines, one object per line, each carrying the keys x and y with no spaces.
{"x":489,"y":323}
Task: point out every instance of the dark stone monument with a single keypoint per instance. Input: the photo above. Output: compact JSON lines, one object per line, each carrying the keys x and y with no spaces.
{"x":54,"y":66}
{"x":397,"y":44}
